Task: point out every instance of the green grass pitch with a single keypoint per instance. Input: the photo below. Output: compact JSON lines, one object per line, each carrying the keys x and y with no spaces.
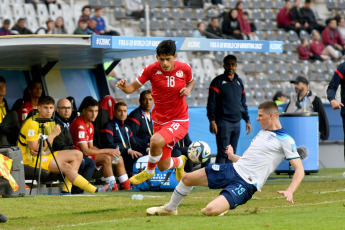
{"x":319,"y":204}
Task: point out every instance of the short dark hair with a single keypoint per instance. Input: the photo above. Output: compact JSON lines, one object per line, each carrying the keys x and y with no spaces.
{"x":85,"y":7}
{"x":46,"y":100}
{"x":245,"y":13}
{"x":166,"y":47}
{"x":143,"y":93}
{"x":269,"y":106}
{"x":32,"y":83}
{"x":229,"y":57}
{"x":88,"y":101}
{"x":278,"y":94}
{"x":237,"y":4}
{"x":118,"y":104}
{"x":98,"y":8}
{"x":7,"y":22}
{"x":2,"y":79}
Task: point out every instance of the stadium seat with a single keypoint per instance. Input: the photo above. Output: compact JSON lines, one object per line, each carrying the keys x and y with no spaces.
{"x":257,"y":14}
{"x":190,"y":24}
{"x":209,"y":67}
{"x":166,"y":24}
{"x":42,"y":14}
{"x":260,"y":35}
{"x":117,"y":3}
{"x":77,"y":12}
{"x":268,"y":4}
{"x":293,"y":36}
{"x":119,"y":13}
{"x":178,"y":24}
{"x":197,"y":68}
{"x":152,"y":3}
{"x":259,"y":96}
{"x":5,"y":11}
{"x":182,"y":57}
{"x":279,"y":4}
{"x":20,"y":2}
{"x":211,"y":13}
{"x":270,"y":36}
{"x":259,"y":67}
{"x":155,"y":24}
{"x":54,"y":11}
{"x":268,"y":25}
{"x":272,"y":76}
{"x":281,"y":35}
{"x":176,"y":13}
{"x":291,"y":56}
{"x":199,"y":14}
{"x":268,"y":14}
{"x":246,"y":4}
{"x":256,"y":4}
{"x":31,"y":17}
{"x":188,"y":13}
{"x":165,"y":13}
{"x":169,"y":33}
{"x":94,"y":3}
{"x":262,"y":81}
{"x":288,"y":46}
{"x":304,"y":34}
{"x":331,"y":5}
{"x":258,"y":24}
{"x":164,"y":4}
{"x":248,"y":68}
{"x":18,"y":11}
{"x":180,"y":33}
{"x":330,"y":67}
{"x":271,"y":66}
{"x":175,"y":3}
{"x":269,"y":95}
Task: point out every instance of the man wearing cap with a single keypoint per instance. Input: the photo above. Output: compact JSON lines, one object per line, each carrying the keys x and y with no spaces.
{"x":5,"y":29}
{"x":306,"y":101}
{"x":20,"y":27}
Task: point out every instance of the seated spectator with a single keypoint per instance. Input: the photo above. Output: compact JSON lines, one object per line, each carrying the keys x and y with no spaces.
{"x":310,"y":18}
{"x":20,"y":28}
{"x":64,"y":140}
{"x":285,"y":20}
{"x":200,"y":31}
{"x":213,"y":30}
{"x":317,"y":48}
{"x":91,"y":28}
{"x":9,"y":125}
{"x":35,"y":92}
{"x":340,"y":25}
{"x":82,"y":28}
{"x":140,"y":122}
{"x":49,"y":29}
{"x":231,"y":26}
{"x":135,"y":8}
{"x":239,"y":8}
{"x":59,"y":26}
{"x":246,"y":28}
{"x":85,"y":14}
{"x":332,"y":37}
{"x":213,"y":3}
{"x":303,"y":51}
{"x":5,"y":29}
{"x":298,"y":17}
{"x":115,"y":134}
{"x":279,"y":98}
{"x":82,"y":131}
{"x":68,"y":160}
{"x":47,"y":2}
{"x":100,"y":20}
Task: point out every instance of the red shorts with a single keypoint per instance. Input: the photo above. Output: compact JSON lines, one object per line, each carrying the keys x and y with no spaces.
{"x":172,"y":132}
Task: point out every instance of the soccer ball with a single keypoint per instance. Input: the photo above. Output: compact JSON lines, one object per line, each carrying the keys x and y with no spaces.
{"x":199,"y":152}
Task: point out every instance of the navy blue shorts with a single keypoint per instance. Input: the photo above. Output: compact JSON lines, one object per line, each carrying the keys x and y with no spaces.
{"x":235,"y":189}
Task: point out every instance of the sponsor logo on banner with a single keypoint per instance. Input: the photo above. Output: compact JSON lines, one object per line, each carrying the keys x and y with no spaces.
{"x":276,"y":47}
{"x":101,"y":41}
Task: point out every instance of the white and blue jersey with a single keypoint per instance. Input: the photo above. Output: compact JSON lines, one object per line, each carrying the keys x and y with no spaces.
{"x":263,"y":156}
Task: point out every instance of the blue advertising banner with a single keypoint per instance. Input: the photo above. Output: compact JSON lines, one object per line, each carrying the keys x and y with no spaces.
{"x":185,"y":44}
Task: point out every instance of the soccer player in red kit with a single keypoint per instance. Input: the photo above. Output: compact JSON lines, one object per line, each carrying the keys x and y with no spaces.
{"x":171,"y":82}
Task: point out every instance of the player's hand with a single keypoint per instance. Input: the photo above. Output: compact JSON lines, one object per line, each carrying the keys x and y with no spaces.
{"x":213,"y":127}
{"x":121,"y":84}
{"x":114,"y":152}
{"x":288,"y":195}
{"x":134,"y":153}
{"x":184,"y":92}
{"x":229,"y":151}
{"x":248,"y":128}
{"x":33,"y":152}
{"x":336,"y":104}
{"x":56,"y":130}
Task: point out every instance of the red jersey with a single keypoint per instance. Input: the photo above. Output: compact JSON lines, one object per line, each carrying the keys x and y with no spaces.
{"x":80,"y":132}
{"x":166,"y":86}
{"x":24,"y":111}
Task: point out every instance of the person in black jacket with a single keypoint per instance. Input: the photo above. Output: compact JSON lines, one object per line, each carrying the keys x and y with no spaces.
{"x":115,"y":134}
{"x":213,"y":30}
{"x":338,"y":79}
{"x":226,"y":107}
{"x":140,"y":122}
{"x":64,"y":140}
{"x":306,"y":101}
{"x":231,"y":26}
{"x":309,"y":16}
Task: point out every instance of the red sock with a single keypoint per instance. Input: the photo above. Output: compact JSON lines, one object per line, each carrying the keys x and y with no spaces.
{"x":115,"y":187}
{"x":126,"y":185}
{"x":151,"y":166}
{"x":176,"y":162}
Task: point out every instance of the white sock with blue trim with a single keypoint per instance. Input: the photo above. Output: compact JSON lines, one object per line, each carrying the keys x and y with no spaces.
{"x":180,"y":192}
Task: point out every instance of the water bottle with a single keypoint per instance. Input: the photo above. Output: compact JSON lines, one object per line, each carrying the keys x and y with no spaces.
{"x":137,"y":197}
{"x":116,"y":159}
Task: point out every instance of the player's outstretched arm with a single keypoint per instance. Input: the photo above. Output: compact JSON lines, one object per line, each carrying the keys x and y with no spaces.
{"x":128,"y":88}
{"x":296,"y":180}
{"x":336,"y":105}
{"x":231,"y":155}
